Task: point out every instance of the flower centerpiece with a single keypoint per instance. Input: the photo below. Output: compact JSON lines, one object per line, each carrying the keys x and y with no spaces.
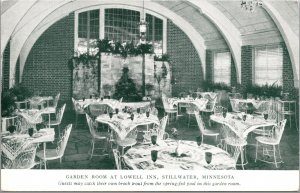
{"x":178,"y":149}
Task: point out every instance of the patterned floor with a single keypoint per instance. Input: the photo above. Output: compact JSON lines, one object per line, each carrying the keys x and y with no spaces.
{"x":77,"y":151}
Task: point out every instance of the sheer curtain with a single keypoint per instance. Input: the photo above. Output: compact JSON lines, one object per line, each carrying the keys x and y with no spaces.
{"x":268,"y":65}
{"x":222,"y":67}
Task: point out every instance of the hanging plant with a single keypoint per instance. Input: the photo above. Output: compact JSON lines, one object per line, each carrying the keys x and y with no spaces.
{"x":163,"y":57}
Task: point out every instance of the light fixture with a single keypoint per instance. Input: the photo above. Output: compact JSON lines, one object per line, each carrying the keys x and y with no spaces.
{"x":143,"y":28}
{"x":250,"y":5}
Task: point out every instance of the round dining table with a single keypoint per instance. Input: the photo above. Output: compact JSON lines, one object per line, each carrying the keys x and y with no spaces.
{"x":192,"y":156}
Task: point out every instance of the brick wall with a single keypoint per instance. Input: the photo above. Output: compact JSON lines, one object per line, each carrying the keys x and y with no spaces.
{"x":287,"y":73}
{"x":46,"y":67}
{"x":17,"y":75}
{"x":209,"y":65}
{"x":233,"y":79}
{"x":184,"y":60}
{"x":5,"y":67}
{"x":246,"y":66}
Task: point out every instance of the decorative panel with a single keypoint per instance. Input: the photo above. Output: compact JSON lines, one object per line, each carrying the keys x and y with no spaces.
{"x":85,"y":79}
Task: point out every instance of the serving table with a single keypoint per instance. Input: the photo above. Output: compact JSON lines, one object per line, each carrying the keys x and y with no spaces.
{"x":192,"y":158}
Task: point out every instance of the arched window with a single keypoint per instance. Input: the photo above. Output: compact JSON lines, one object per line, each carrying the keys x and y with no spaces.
{"x":116,"y":24}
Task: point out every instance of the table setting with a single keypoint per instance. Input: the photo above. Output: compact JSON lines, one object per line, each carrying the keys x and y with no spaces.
{"x":166,"y":155}
{"x":124,"y":122}
{"x":37,"y":101}
{"x":14,"y":142}
{"x":242,"y":123}
{"x":200,"y":103}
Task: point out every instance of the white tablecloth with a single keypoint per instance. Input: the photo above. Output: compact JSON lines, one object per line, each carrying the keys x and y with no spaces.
{"x":192,"y":158}
{"x":199,"y":103}
{"x":13,"y":144}
{"x":38,"y":100}
{"x":34,"y":116}
{"x":242,"y":128}
{"x":122,"y":124}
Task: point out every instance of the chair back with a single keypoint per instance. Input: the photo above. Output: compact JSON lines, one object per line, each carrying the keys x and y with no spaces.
{"x":211,"y":102}
{"x":234,"y":105}
{"x":26,"y":159}
{"x":22,"y":104}
{"x":78,"y":109}
{"x":56,"y":99}
{"x":191,"y":108}
{"x":91,"y":124}
{"x":22,"y":125}
{"x":278,"y":130}
{"x":182,"y":95}
{"x":165,"y":103}
{"x":200,"y":122}
{"x":117,"y":159}
{"x":96,"y":109}
{"x":62,"y":143}
{"x":60,"y":113}
{"x":264,"y":107}
{"x":219,"y":110}
{"x":8,"y":121}
{"x":162,"y":130}
{"x":236,"y":154}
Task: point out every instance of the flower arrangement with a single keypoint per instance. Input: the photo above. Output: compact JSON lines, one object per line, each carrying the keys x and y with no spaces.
{"x":124,"y":49}
{"x":114,"y":47}
{"x":163,"y":57}
{"x":8,"y":98}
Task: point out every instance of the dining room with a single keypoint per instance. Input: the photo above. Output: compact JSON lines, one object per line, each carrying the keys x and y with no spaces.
{"x":150,"y":85}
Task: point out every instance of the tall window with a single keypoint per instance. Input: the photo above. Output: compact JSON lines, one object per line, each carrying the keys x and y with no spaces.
{"x":118,"y":24}
{"x":222,"y":67}
{"x":122,"y":25}
{"x":268,"y":64}
{"x":88,"y":31}
{"x":155,"y":32}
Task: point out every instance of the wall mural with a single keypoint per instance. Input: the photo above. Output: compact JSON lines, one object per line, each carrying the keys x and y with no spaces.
{"x":111,"y":72}
{"x":85,"y":78}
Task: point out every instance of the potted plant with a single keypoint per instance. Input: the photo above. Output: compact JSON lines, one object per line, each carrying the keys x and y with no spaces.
{"x":8,"y":106}
{"x":223,"y":97}
{"x":207,"y":85}
{"x":149,"y":88}
{"x":21,"y":92}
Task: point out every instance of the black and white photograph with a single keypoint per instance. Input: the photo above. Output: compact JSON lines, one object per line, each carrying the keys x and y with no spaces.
{"x":131,"y":95}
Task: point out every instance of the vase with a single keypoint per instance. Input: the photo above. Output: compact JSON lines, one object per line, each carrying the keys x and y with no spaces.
{"x":178,"y":149}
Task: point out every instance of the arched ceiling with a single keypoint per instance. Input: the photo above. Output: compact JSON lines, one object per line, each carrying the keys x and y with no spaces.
{"x":218,"y":24}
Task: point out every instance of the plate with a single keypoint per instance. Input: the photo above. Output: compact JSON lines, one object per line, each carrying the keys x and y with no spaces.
{"x":36,"y":135}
